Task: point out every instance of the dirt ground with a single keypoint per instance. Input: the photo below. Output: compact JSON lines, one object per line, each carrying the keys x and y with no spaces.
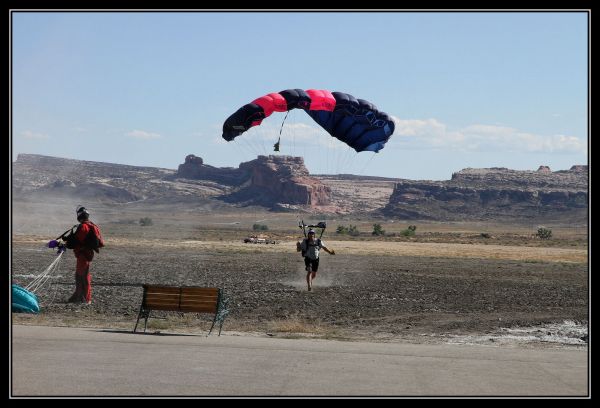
{"x":447,"y":280}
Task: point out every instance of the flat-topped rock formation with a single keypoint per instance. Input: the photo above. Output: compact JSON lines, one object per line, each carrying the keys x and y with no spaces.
{"x":493,"y":193}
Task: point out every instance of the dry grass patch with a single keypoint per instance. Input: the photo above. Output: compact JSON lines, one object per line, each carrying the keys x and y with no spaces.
{"x":436,"y":250}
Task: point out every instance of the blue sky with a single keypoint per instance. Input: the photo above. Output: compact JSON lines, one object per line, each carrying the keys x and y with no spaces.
{"x":494,"y":89}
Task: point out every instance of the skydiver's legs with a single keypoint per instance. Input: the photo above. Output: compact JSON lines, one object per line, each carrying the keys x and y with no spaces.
{"x":309,"y":272}
{"x":83,"y":280}
{"x":312,"y":265}
{"x":315,"y":267}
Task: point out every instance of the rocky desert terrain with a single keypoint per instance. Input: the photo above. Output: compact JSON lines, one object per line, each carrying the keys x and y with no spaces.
{"x":452,"y":278}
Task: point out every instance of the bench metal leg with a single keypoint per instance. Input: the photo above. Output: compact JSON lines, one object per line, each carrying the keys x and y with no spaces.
{"x":145,"y":314}
{"x":213,"y":325}
{"x":221,"y":311}
{"x":146,"y":321}
{"x":138,"y":319}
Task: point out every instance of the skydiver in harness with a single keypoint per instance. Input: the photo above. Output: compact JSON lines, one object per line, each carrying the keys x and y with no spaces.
{"x":310,"y":247}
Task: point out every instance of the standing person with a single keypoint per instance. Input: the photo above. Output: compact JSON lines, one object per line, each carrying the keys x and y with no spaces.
{"x":86,"y":240}
{"x":310,"y":251}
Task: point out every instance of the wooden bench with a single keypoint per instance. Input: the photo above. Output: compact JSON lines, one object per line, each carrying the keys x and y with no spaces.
{"x":183,"y":299}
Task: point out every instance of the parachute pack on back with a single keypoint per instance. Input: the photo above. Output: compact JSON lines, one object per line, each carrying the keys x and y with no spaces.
{"x":93,"y":240}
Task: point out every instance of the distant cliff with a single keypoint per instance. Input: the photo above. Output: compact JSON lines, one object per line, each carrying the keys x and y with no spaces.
{"x":284,"y":182}
{"x":494,"y":193}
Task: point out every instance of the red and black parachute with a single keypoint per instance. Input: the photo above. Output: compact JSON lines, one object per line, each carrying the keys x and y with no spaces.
{"x":353,"y":121}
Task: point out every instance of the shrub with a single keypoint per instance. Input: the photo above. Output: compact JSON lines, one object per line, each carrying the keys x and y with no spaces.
{"x":260,"y":227}
{"x":341,"y":229}
{"x":377,"y":230}
{"x":353,"y":230}
{"x":350,"y":230}
{"x":408,"y":233}
{"x":146,"y":221}
{"x":544,"y":233}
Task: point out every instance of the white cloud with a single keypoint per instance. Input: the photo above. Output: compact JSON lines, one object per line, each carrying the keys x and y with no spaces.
{"x":418,"y":127}
{"x":430,"y":133}
{"x":141,"y":134}
{"x":28,"y":134}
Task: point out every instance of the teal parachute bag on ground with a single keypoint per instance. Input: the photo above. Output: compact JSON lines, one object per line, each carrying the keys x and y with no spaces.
{"x":23,"y":301}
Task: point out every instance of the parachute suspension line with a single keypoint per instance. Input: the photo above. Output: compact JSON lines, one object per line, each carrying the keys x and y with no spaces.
{"x":249,"y":146}
{"x":239,"y":143}
{"x":293,"y":131}
{"x":264,"y":148}
{"x":332,"y":156}
{"x":239,"y":150}
{"x":257,"y":145}
{"x":276,"y":145}
{"x":329,"y":146}
{"x":366,"y":164}
{"x":343,"y":161}
{"x":43,"y":277}
{"x":352,"y":160}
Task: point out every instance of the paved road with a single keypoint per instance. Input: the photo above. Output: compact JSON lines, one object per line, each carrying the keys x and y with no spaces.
{"x":60,"y":361}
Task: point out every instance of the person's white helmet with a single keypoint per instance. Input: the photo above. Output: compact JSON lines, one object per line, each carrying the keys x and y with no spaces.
{"x":82,"y":213}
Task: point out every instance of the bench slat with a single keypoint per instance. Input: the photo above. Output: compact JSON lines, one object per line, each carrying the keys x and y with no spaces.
{"x":190,"y":291}
{"x":185,"y":301}
{"x":151,"y":299}
{"x":161,"y":289}
{"x":174,"y":302}
{"x":184,"y":290}
{"x":199,"y":299}
{"x":163,"y":307}
{"x":162,"y":296}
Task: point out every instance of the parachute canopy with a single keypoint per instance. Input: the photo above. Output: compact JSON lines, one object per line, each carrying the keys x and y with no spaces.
{"x":353,"y":121}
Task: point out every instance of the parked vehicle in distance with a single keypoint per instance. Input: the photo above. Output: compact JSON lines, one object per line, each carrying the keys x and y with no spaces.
{"x":254,"y":239}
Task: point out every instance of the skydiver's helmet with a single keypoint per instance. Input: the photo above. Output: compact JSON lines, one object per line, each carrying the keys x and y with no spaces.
{"x":82,"y":214}
{"x":311,"y":231}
